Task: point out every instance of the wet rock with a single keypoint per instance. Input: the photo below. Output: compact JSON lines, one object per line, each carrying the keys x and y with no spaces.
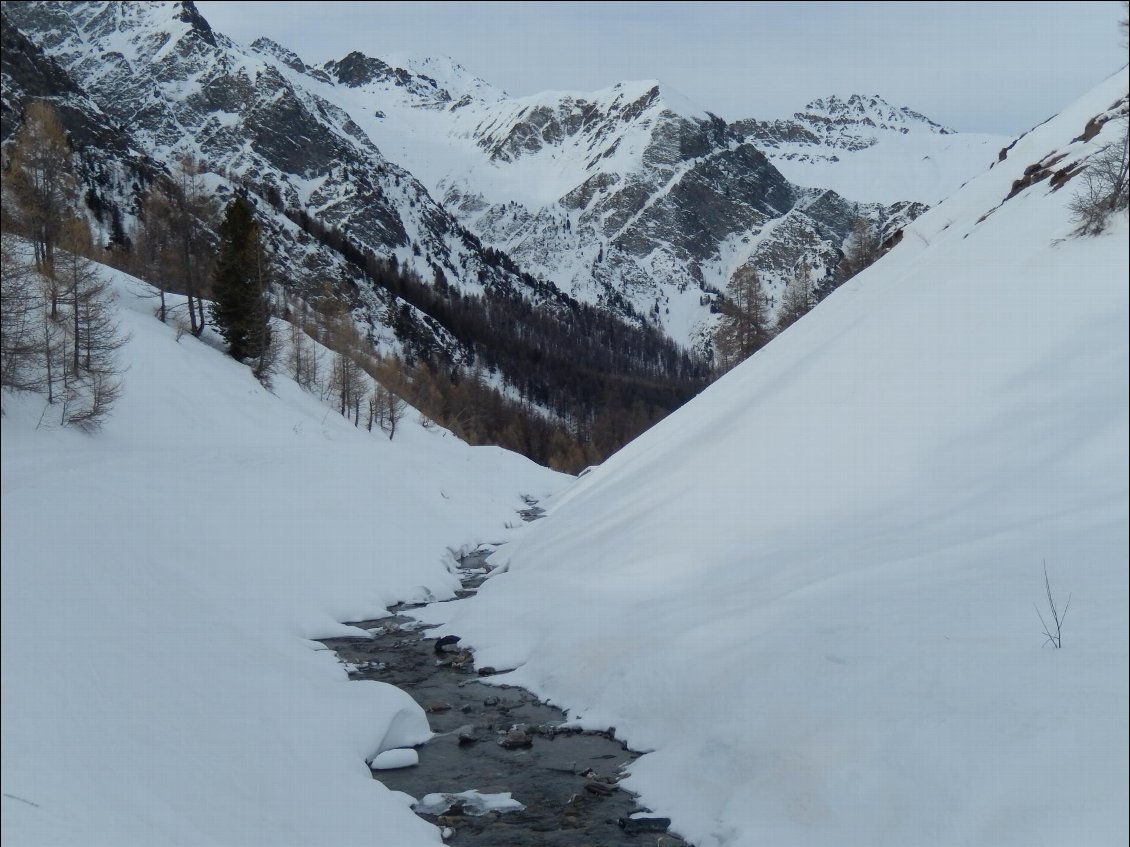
{"x":459,"y":659}
{"x":515,"y":739}
{"x":487,"y":670}
{"x":466,"y":734}
{"x":448,"y":641}
{"x":491,"y":701}
{"x":637,"y":825}
{"x":599,"y":788}
{"x":438,"y":708}
{"x":670,"y":841}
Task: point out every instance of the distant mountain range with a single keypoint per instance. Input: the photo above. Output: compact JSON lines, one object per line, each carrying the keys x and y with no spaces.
{"x":632,"y":198}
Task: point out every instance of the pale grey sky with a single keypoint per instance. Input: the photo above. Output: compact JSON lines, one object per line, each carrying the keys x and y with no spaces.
{"x":975,"y":66}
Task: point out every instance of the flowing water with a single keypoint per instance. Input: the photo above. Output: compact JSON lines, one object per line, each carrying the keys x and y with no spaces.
{"x":495,"y":740}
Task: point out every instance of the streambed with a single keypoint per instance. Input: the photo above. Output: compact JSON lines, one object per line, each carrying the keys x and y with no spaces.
{"x":496,"y":741}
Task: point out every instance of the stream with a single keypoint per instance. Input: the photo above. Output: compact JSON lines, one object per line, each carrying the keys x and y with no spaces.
{"x":494,"y":740}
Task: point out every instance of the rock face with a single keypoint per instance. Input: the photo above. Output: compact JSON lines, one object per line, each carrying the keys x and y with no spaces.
{"x":110,"y":158}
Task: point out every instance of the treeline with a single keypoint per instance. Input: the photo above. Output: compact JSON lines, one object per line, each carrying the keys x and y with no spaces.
{"x":516,"y":363}
{"x":561,"y":381}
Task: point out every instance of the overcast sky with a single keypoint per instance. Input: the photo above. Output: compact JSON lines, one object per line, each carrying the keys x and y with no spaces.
{"x":988,"y":67}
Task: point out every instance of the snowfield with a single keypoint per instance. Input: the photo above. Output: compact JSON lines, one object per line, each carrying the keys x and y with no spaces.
{"x":812,"y":592}
{"x":161,"y":582}
{"x":922,"y":167}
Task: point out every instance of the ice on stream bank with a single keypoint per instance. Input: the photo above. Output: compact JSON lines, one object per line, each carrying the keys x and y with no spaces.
{"x":469,"y":802}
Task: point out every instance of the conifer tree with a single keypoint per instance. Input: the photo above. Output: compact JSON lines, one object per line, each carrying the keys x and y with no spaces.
{"x":239,"y":283}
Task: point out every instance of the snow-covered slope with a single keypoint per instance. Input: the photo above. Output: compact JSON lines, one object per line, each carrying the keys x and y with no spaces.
{"x":160,"y":582}
{"x":810,"y":592}
{"x":870,"y":151}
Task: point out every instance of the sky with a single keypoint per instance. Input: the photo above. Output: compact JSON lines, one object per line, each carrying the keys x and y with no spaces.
{"x":978,"y":67}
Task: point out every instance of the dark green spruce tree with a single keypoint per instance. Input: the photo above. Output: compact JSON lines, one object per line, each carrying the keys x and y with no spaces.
{"x":241,"y":307}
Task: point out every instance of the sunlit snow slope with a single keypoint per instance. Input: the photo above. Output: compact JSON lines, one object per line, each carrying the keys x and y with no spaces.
{"x":160,"y":580}
{"x":812,"y":591}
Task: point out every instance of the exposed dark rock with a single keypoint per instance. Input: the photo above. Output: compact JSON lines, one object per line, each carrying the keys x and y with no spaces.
{"x":442,"y":644}
{"x":638,"y":825}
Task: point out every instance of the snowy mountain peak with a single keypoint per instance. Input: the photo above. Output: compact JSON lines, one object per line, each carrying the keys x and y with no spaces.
{"x":668,"y":98}
{"x":864,"y":113}
{"x":451,"y":76}
{"x":427,"y":82}
{"x":603,"y":130}
{"x":267,"y":47}
{"x":189,"y":14}
{"x":865,"y":148}
{"x":167,"y":23}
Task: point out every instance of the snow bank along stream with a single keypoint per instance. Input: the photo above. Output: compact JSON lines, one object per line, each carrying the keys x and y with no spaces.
{"x":502,"y":767}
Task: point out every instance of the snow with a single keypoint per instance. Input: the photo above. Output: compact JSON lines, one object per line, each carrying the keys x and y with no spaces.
{"x":441,"y":147}
{"x":394,"y":759}
{"x":448,"y":75}
{"x":161,"y":584}
{"x":812,"y":592}
{"x":473,"y":803}
{"x":903,"y":155}
{"x":920,"y":166}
